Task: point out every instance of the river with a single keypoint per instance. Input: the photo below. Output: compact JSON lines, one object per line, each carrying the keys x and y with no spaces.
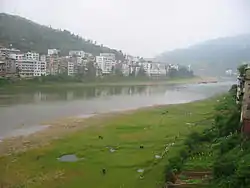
{"x":30,"y":109}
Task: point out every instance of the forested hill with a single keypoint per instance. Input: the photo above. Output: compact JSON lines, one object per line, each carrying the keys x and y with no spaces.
{"x":214,"y":56}
{"x":27,"y":35}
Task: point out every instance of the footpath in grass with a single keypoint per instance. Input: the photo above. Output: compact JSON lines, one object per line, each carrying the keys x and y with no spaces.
{"x":129,"y":150}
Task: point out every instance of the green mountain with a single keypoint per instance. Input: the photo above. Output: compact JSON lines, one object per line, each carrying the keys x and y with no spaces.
{"x":27,"y":35}
{"x":212,"y":57}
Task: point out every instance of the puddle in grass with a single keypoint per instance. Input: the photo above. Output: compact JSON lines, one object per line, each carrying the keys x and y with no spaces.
{"x":69,"y":158}
{"x":140,"y":170}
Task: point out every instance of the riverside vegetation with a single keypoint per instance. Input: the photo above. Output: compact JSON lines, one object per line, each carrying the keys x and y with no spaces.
{"x":220,"y":149}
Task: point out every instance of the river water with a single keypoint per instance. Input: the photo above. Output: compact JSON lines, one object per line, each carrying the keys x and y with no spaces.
{"x":30,"y":109}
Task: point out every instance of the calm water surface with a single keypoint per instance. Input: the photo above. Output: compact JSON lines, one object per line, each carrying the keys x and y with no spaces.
{"x":29,"y":109}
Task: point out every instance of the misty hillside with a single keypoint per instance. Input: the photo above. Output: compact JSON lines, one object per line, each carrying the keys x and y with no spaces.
{"x":215,"y":56}
{"x":27,"y":35}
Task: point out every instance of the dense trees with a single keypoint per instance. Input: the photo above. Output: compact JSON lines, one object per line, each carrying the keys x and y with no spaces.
{"x":27,"y":35}
{"x":181,"y":72}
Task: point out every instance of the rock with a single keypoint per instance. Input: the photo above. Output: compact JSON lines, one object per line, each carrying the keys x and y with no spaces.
{"x":157,"y":156}
{"x":112,"y":150}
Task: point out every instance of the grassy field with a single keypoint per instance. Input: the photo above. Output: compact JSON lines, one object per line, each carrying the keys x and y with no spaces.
{"x":153,"y":128}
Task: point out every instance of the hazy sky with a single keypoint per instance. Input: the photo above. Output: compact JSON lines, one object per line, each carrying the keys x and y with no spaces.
{"x":139,"y":27}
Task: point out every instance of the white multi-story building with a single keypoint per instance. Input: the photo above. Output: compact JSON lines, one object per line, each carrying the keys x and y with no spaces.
{"x":26,"y":68}
{"x":6,"y":51}
{"x":53,"y":52}
{"x":16,"y":56}
{"x":32,"y":56}
{"x":71,"y":68}
{"x":105,"y":63}
{"x":109,"y":56}
{"x":39,"y":68}
{"x":31,"y":68}
{"x":43,"y":58}
{"x":147,"y":66}
{"x":77,"y":53}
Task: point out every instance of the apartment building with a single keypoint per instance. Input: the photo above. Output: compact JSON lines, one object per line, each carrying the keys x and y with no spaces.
{"x":2,"y":68}
{"x":53,"y":52}
{"x":77,"y":53}
{"x":31,"y":56}
{"x":40,"y":68}
{"x":105,"y":64}
{"x":26,"y":68}
{"x":108,"y":56}
{"x":31,"y":68}
{"x":6,"y":51}
{"x":52,"y":66}
{"x":43,"y":58}
{"x":147,"y":66}
{"x":7,"y":65}
{"x":18,"y":56}
{"x":71,"y":68}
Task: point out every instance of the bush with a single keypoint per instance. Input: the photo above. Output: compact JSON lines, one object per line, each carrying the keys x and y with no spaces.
{"x":175,"y":163}
{"x":208,"y":135}
{"x":229,"y":143}
{"x":192,"y":140}
{"x":184,"y":153}
{"x":224,"y":166}
{"x":242,"y":177}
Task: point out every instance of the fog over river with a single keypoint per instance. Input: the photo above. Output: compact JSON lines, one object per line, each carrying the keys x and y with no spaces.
{"x":29,"y":109}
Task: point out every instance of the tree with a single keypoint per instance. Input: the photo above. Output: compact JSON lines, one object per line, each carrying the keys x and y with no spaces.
{"x":27,"y":35}
{"x":91,"y":71}
{"x":141,"y":72}
{"x":241,"y":69}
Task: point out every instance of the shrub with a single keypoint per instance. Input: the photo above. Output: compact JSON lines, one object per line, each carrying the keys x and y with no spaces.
{"x":175,"y":163}
{"x":192,"y":140}
{"x":229,"y":143}
{"x":184,"y":154}
{"x":224,"y":166}
{"x":242,"y":178}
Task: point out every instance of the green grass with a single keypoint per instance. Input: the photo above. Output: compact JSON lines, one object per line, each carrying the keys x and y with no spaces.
{"x":37,"y":168}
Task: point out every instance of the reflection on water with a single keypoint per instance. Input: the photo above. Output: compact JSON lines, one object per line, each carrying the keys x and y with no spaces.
{"x":75,"y":94}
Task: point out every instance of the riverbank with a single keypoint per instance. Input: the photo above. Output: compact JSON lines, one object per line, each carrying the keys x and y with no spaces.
{"x":130,"y":146}
{"x":29,"y":85}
